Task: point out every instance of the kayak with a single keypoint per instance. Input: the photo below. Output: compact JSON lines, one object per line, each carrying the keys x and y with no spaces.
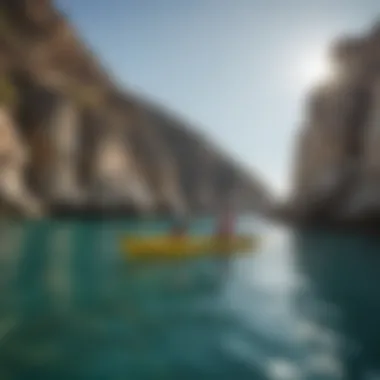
{"x":183,"y":246}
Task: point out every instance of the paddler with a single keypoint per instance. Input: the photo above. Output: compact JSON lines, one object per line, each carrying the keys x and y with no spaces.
{"x":180,"y":227}
{"x":226,"y":224}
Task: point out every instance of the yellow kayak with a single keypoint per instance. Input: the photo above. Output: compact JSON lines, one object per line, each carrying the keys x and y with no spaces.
{"x":185,"y":246}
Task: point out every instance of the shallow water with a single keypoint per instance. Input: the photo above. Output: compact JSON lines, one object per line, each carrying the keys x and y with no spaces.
{"x":303,"y":307}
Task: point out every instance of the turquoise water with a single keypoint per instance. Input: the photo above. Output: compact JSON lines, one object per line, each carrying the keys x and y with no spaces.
{"x":305,"y":306}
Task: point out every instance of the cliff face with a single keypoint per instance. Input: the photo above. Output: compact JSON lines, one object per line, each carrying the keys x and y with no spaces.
{"x":337,"y":174}
{"x":77,"y":143}
{"x":13,"y":157}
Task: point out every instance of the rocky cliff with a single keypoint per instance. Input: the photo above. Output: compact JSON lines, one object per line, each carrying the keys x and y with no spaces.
{"x":337,"y":173}
{"x":74,"y":142}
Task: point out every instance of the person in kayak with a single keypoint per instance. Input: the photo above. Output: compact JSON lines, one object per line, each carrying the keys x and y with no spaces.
{"x":226,"y":225}
{"x":179,"y":228}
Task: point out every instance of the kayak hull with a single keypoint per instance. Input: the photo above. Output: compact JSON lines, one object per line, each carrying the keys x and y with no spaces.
{"x":170,"y":246}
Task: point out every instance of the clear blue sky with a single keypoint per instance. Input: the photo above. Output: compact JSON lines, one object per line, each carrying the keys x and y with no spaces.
{"x":238,"y":69}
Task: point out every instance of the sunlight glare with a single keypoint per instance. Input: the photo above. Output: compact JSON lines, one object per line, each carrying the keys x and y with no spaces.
{"x":315,"y":67}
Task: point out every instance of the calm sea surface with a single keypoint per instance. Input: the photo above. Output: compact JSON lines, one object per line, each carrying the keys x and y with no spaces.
{"x":305,"y":306}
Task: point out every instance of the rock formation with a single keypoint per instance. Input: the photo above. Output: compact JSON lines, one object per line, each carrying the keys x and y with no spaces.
{"x":15,"y":198}
{"x":89,"y":146}
{"x":337,"y":174}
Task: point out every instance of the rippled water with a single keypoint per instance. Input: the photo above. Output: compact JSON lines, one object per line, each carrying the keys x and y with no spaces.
{"x":305,"y":306}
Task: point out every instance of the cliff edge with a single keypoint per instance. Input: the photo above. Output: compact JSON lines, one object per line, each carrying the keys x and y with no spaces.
{"x":77,"y":144}
{"x":337,"y":163}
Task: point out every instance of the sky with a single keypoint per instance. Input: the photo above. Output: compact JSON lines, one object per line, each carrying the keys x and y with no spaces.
{"x":239,"y":70}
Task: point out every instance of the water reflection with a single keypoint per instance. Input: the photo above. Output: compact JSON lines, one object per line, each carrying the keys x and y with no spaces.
{"x":344,"y":274}
{"x":304,"y":307}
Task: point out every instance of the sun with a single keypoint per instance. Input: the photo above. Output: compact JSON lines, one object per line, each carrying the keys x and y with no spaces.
{"x":315,"y":68}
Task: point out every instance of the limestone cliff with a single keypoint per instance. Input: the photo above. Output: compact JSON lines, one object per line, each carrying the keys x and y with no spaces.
{"x":337,"y":174}
{"x":14,"y":197}
{"x":88,"y":145}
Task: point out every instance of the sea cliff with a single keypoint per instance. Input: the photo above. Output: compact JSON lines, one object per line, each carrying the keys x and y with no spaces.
{"x":337,"y":161}
{"x":76,"y":143}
